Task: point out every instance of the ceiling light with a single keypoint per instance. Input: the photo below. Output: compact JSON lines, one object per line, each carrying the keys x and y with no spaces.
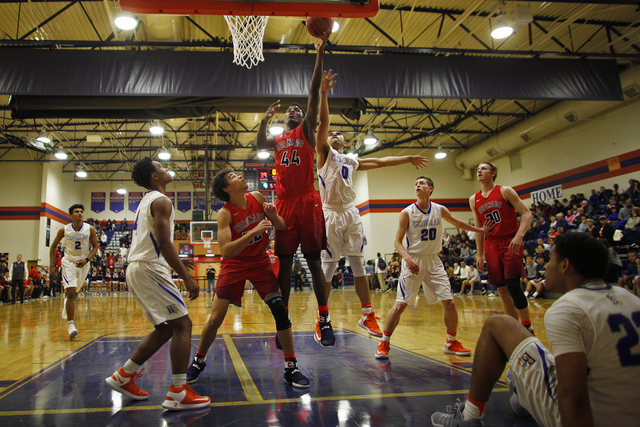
{"x":263,"y":154}
{"x":172,"y":173}
{"x":121,"y":190}
{"x":440,"y":155}
{"x":164,"y":154}
{"x":336,"y":26}
{"x":352,"y":155}
{"x":370,"y":139}
{"x":60,"y":154}
{"x":80,"y":173}
{"x":43,"y":137}
{"x":501,"y":29}
{"x":125,"y":21}
{"x":276,"y":129}
{"x":156,"y":128}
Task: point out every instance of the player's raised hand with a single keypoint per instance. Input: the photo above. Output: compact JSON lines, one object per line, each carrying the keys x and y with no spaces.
{"x":419,"y":161}
{"x":192,"y":287}
{"x":263,"y":226}
{"x":488,"y":226}
{"x":189,"y":263}
{"x":320,"y":46}
{"x":269,"y":208}
{"x":328,"y":81}
{"x":271,"y":111}
{"x":413,"y":266}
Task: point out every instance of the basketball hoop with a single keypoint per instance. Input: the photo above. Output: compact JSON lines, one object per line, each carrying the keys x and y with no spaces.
{"x":247,"y":33}
{"x":207,"y":242}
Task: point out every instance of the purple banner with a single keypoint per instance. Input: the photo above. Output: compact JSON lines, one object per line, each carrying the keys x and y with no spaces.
{"x":172,"y":196}
{"x":198,"y":200}
{"x":134,"y":200}
{"x":116,"y":202}
{"x":98,"y":201}
{"x":184,"y":201}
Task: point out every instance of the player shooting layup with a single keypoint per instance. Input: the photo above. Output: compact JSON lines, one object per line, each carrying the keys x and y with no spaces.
{"x":298,"y":202}
{"x":345,"y":234}
{"x":76,"y":263}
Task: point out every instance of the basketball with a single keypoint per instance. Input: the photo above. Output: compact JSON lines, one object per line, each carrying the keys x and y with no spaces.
{"x":319,"y":27}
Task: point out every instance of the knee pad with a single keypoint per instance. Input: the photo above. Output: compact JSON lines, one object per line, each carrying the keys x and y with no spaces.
{"x":328,"y":268}
{"x":357,"y":265}
{"x":312,"y":256}
{"x":515,"y":290}
{"x":279,"y":311}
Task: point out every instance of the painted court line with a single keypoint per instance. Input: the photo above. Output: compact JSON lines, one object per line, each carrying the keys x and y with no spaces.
{"x":248,"y":385}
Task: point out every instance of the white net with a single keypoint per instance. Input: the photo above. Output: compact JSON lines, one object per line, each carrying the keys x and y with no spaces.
{"x":207,"y":242}
{"x":247,"y":33}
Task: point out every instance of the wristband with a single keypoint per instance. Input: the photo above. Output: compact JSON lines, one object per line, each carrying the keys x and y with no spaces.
{"x":88,"y":261}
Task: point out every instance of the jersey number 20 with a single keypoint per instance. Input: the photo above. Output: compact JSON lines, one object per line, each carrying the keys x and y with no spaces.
{"x":428,"y":234}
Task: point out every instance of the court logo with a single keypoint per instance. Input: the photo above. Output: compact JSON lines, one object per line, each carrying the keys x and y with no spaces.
{"x":172,"y":309}
{"x":526,"y":361}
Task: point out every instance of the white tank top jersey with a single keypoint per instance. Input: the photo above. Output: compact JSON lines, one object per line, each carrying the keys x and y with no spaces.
{"x":424,"y":233}
{"x":336,"y":181}
{"x":602,"y":321}
{"x":77,"y":242}
{"x":144,"y":246}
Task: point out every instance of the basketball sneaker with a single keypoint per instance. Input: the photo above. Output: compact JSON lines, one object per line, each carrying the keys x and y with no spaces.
{"x":383,"y":350}
{"x":73,"y":332}
{"x":454,"y":347}
{"x":453,"y":418}
{"x":64,"y":309}
{"x":292,"y":375}
{"x":195,"y":368}
{"x":369,"y":324}
{"x":324,"y":332}
{"x":183,"y":397}
{"x":514,"y":401}
{"x":125,"y":383}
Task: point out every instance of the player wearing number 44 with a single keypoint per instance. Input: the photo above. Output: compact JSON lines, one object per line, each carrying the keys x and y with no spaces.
{"x":421,"y":225}
{"x":593,"y":376}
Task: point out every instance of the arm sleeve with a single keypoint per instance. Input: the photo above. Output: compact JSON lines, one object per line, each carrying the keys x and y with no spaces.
{"x":568,"y":328}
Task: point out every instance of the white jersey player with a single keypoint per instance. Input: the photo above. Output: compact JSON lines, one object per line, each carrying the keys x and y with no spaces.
{"x":81,"y":245}
{"x":421,"y":228}
{"x":593,"y":375}
{"x":345,"y":234}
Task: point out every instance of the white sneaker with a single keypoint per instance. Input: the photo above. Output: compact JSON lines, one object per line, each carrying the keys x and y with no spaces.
{"x":64,"y":309}
{"x":73,"y":332}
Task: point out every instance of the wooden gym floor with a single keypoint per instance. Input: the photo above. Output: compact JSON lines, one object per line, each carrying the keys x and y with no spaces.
{"x":48,"y":380}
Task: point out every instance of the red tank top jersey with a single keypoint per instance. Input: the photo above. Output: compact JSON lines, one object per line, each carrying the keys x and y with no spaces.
{"x":495,"y":207}
{"x":243,"y":221}
{"x":294,"y":163}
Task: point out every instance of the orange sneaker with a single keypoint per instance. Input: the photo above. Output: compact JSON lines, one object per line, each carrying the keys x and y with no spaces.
{"x":383,"y":350}
{"x":454,"y":347}
{"x":369,"y":324}
{"x":317,"y":335}
{"x":125,"y":383}
{"x":179,"y":398}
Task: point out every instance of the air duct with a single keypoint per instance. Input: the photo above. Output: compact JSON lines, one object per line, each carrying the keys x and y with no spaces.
{"x":548,"y":121}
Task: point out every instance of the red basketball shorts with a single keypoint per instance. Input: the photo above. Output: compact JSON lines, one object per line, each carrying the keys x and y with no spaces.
{"x":502,"y":264}
{"x":305,"y":224}
{"x":234,"y":273}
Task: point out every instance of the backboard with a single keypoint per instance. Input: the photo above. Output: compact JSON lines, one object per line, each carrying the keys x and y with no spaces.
{"x":198,"y":230}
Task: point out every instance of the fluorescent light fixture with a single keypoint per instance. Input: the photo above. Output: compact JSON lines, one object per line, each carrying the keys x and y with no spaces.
{"x":172,"y":173}
{"x":121,"y":190}
{"x":164,"y":154}
{"x":60,"y":155}
{"x":276,"y":129}
{"x":370,"y":139}
{"x":352,"y":155}
{"x":156,"y":128}
{"x":80,"y":173}
{"x":440,"y":155}
{"x":336,"y":26}
{"x":43,"y":137}
{"x":263,"y":154}
{"x":501,"y":29}
{"x":210,"y":255}
{"x":125,"y":21}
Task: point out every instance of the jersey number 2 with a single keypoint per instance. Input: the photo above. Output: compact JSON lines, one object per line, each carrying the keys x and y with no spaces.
{"x":625,"y":344}
{"x":295,"y":160}
{"x":78,"y":244}
{"x":428,"y":234}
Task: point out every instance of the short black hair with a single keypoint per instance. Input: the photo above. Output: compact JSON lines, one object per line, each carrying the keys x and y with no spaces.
{"x":589,"y":256}
{"x":220,"y":183}
{"x":74,"y":207}
{"x":300,"y":107}
{"x":142,"y":171}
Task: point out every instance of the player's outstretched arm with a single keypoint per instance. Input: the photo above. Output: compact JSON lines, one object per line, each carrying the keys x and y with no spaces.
{"x":486,"y":227}
{"x":230,"y":248}
{"x":403,"y":225}
{"x":573,"y":392}
{"x":52,"y":250}
{"x":368,"y":164}
{"x":479,"y":236}
{"x":310,"y":120}
{"x":525,"y":221}
{"x":262,"y":140}
{"x":271,"y":212}
{"x":322,"y":144}
{"x":161,"y":211}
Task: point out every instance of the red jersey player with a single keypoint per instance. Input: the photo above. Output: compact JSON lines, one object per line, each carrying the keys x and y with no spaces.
{"x":297,"y":200}
{"x":504,"y":245}
{"x":243,"y":222}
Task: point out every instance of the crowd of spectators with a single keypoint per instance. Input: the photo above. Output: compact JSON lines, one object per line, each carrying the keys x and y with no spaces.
{"x":36,"y":285}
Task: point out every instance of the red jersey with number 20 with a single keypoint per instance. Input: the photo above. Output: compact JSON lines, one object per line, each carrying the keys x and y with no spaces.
{"x":495,"y":207}
{"x":245,"y":220}
{"x":294,"y":163}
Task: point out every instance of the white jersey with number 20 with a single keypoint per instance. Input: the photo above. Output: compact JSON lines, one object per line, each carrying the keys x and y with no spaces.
{"x":424,"y":233}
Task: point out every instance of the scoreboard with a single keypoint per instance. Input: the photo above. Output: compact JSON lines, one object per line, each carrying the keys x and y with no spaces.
{"x":260,"y":176}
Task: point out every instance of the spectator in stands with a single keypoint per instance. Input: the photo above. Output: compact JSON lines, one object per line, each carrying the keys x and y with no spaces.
{"x":583,"y":227}
{"x":543,"y":226}
{"x":592,"y":228}
{"x":603,"y":195}
{"x":613,"y":215}
{"x":123,"y":225}
{"x":538,"y":279}
{"x":613,"y":201}
{"x":615,"y":265}
{"x":571,"y":218}
{"x":123,"y":251}
{"x":606,"y":230}
{"x":471,"y":279}
{"x":561,"y":221}
{"x":465,"y":251}
{"x":588,"y":208}
{"x":5,"y":287}
{"x":552,"y":232}
{"x":394,"y":271}
{"x":593,"y":198}
{"x":381,"y":271}
{"x":631,"y":271}
{"x":108,"y":226}
{"x":625,"y":212}
{"x":464,"y":271}
{"x":370,"y":271}
{"x":541,"y":252}
{"x":634,"y":188}
{"x":530,"y":268}
{"x":634,"y":220}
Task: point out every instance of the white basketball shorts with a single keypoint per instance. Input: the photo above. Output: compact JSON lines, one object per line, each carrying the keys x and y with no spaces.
{"x":345,"y":234}
{"x":72,"y":276}
{"x":431,"y":276}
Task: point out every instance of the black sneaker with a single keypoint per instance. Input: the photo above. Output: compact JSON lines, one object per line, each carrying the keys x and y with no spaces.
{"x":327,"y":337}
{"x":194,"y":370}
{"x":530,"y":329}
{"x":278,"y":343}
{"x":293,"y":377}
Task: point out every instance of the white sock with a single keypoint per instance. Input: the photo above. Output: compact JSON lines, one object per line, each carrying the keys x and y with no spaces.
{"x":386,"y":337}
{"x":131,"y":367}
{"x":535,"y":295}
{"x":366,"y":310}
{"x":471,"y":412}
{"x":70,"y":322}
{"x":451,"y":337}
{"x":526,"y":294}
{"x":179,"y":379}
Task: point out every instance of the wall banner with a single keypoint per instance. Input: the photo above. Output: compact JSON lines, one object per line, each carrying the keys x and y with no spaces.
{"x":184,"y":201}
{"x":134,"y":200}
{"x":547,"y":194}
{"x":116,"y":202}
{"x":98,"y":201}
